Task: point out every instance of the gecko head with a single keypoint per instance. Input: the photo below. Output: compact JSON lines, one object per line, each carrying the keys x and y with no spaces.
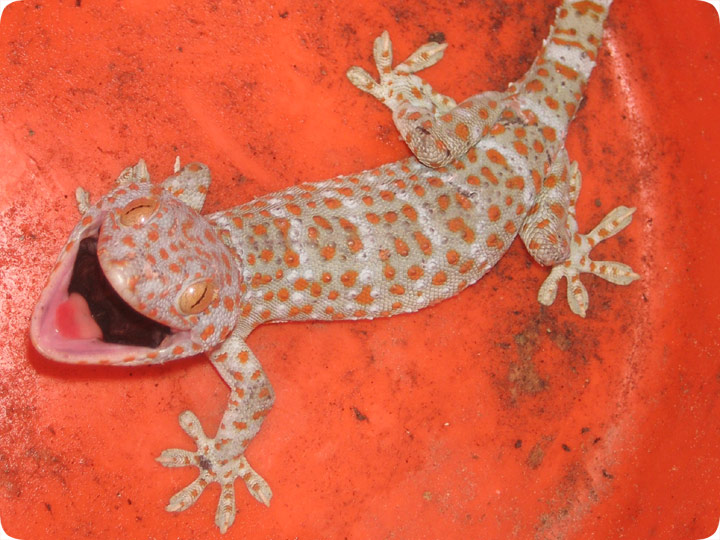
{"x":144,"y":278}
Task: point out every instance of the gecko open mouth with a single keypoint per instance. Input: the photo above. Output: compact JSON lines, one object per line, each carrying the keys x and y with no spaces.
{"x":81,"y":318}
{"x":118,"y":322}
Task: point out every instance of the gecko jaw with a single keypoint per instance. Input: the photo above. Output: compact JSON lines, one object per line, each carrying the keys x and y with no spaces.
{"x":80,"y":319}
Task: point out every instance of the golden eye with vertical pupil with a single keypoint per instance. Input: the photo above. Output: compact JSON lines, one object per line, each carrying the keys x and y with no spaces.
{"x":197,"y":297}
{"x":138,"y":211}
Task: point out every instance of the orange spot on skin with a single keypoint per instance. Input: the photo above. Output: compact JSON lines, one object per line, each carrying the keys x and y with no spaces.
{"x":291,"y":259}
{"x":520,"y":148}
{"x":494,"y":213}
{"x":259,"y":230}
{"x":535,"y":85}
{"x":452,"y":257}
{"x":409,"y":212}
{"x":494,"y":241}
{"x":510,"y":227}
{"x":328,"y":252}
{"x":549,"y":133}
{"x":397,"y":290}
{"x":415,"y":272}
{"x":372,"y":218}
{"x":283,"y":225}
{"x":443,"y":202}
{"x":423,"y":242}
{"x":466,"y":266}
{"x":354,"y":243}
{"x":585,"y":6}
{"x":348,"y":278}
{"x":496,"y":157}
{"x":439,"y":278}
{"x":293,"y":209}
{"x":207,"y":332}
{"x":462,"y":131}
{"x":389,"y":272}
{"x":565,"y":71}
{"x":300,"y":284}
{"x":473,"y":180}
{"x":459,"y":225}
{"x":488,"y":174}
{"x":558,"y":210}
{"x":332,"y":203}
{"x":463,"y":201}
{"x":322,"y":222}
{"x":266,"y":255}
{"x":364,"y":297}
{"x":516,"y":182}
{"x":401,"y":247}
{"x":552,"y":103}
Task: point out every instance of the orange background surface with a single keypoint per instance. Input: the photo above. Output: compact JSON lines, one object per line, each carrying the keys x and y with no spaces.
{"x":487,"y":416}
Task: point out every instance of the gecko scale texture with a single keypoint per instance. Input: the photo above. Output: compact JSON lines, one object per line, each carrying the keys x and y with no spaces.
{"x":144,"y":278}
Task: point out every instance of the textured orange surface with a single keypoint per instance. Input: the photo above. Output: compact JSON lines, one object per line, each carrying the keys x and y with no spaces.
{"x":486,"y":416}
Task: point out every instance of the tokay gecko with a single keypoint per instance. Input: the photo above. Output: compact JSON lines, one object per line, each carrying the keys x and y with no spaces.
{"x":144,"y":278}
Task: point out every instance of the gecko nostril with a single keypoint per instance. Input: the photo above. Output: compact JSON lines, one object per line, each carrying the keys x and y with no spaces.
{"x":197,"y":297}
{"x":138,"y":211}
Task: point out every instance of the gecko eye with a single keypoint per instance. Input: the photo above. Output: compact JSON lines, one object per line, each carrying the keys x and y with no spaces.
{"x":197,"y":297}
{"x":138,"y":211}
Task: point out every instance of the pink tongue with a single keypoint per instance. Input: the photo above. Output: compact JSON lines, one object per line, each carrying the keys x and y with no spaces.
{"x":73,"y":319}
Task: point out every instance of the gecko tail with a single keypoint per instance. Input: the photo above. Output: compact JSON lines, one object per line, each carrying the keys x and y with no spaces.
{"x":552,"y":89}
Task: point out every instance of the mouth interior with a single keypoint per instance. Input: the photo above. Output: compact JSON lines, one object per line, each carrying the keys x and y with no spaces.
{"x":118,"y":322}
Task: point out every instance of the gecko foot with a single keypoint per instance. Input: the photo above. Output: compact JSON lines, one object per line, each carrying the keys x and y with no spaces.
{"x":579,"y":261}
{"x":216,"y":464}
{"x":394,"y":81}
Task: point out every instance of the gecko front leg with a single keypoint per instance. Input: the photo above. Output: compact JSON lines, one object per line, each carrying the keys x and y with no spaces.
{"x":437,"y":130}
{"x":221,"y":459}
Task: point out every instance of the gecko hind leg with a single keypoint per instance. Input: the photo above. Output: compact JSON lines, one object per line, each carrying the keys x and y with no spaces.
{"x":579,"y":261}
{"x":437,"y":130}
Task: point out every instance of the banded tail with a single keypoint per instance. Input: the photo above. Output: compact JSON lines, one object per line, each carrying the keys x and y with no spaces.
{"x":553,"y":87}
